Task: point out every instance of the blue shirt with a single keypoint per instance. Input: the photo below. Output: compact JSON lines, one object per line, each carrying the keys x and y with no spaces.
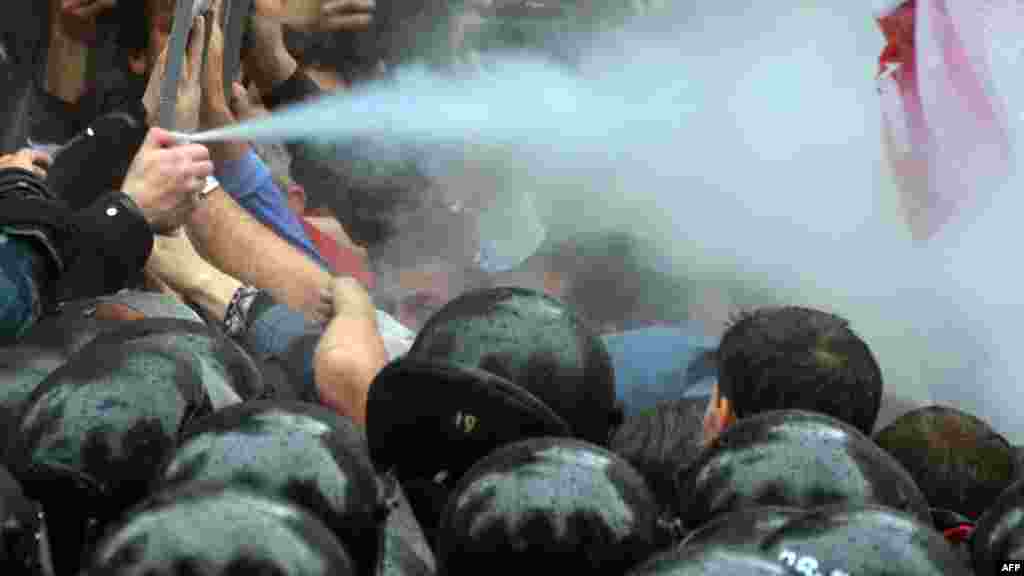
{"x":249,"y":182}
{"x":652,"y":364}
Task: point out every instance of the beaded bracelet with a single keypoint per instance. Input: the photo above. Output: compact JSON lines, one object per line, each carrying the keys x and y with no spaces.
{"x":235,"y":318}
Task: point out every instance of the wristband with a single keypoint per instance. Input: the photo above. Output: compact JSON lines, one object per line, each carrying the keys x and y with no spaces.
{"x":235,"y":318}
{"x":211,"y":185}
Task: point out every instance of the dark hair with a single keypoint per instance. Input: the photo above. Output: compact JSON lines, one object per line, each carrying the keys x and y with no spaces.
{"x":957,"y":460}
{"x":371,"y":190}
{"x":401,"y":32}
{"x":659,"y":441}
{"x":793,"y":358}
{"x":353,"y":55}
{"x":613,"y":279}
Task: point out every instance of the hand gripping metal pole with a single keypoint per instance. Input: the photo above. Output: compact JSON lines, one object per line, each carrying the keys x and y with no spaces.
{"x":236,"y":18}
{"x":175,"y":59}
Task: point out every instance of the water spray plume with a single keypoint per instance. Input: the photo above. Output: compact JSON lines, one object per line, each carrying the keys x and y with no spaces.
{"x":745,"y":140}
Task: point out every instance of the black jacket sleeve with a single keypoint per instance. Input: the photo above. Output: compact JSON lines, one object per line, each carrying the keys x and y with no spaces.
{"x":105,"y":248}
{"x":99,"y":157}
{"x":90,"y":252}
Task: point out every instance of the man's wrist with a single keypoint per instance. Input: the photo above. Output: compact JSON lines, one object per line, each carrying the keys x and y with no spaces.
{"x":129,"y":203}
{"x":133,"y":198}
{"x":269,"y":73}
{"x":211,"y":289}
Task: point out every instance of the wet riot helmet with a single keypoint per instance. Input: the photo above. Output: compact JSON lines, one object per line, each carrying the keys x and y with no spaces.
{"x":793,"y":459}
{"x":547,"y":498}
{"x":304,"y":454}
{"x":213,"y":532}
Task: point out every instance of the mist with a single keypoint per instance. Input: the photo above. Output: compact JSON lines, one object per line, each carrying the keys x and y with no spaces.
{"x":744,"y":141}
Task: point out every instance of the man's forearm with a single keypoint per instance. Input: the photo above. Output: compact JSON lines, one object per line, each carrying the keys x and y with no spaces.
{"x":213,"y":293}
{"x":251,"y":185}
{"x":347,"y":359}
{"x":234,"y":241}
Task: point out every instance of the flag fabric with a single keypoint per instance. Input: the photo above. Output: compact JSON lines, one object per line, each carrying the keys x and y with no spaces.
{"x":946,"y":127}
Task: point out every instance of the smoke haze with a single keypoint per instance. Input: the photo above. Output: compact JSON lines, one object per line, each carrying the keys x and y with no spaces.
{"x":744,"y":140}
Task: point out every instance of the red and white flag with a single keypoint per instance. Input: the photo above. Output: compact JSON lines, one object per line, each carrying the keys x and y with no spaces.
{"x":946,"y":125}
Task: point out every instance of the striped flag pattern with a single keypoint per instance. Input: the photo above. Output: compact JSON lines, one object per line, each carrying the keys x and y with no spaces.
{"x":946,"y":129}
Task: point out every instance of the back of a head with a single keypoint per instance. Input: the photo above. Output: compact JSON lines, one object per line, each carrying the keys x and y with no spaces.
{"x":389,"y":198}
{"x":605,"y":284}
{"x":793,"y":459}
{"x":545,"y":502}
{"x":660,"y":440}
{"x":957,"y":460}
{"x":615,"y":279}
{"x":793,"y":358}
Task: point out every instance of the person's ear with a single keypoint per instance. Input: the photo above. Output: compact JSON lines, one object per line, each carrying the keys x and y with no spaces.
{"x":726,"y":414}
{"x":718,"y":417}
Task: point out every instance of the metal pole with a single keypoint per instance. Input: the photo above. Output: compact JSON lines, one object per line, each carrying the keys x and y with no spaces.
{"x":236,"y":17}
{"x":175,"y":58}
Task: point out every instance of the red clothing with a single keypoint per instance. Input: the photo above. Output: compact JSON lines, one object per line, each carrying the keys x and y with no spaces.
{"x":341,"y":259}
{"x":945,"y":121}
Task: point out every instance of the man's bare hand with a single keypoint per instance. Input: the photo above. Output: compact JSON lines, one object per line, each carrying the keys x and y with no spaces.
{"x":165,"y":178}
{"x":176,"y":263}
{"x":348,"y":15}
{"x":86,"y":9}
{"x":267,"y":61}
{"x":189,"y":97}
{"x":347,"y":297}
{"x":335,"y":15}
{"x":35,"y":161}
{"x":244,"y":105}
{"x":350,"y":352}
{"x":216,"y":110}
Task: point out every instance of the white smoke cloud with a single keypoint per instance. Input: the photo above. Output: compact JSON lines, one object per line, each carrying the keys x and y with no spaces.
{"x":745,"y":139}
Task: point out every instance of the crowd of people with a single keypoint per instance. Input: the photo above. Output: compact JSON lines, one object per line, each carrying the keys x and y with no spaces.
{"x":219,"y":359}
